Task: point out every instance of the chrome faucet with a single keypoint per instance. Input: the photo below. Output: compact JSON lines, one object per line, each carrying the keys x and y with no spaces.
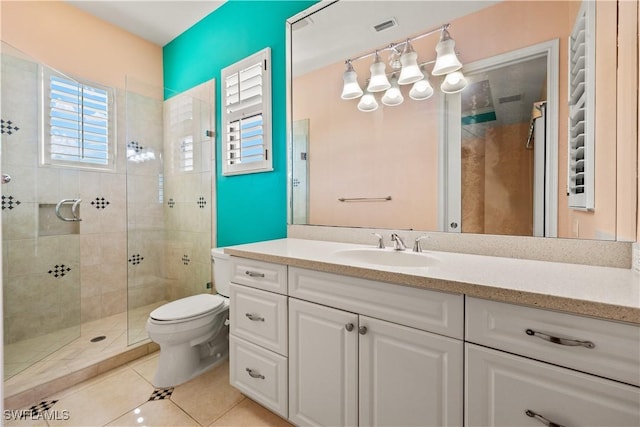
{"x":380,"y":240}
{"x":398,"y":244}
{"x":417,"y":247}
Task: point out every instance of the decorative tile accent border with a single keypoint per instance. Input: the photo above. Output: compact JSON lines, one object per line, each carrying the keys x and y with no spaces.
{"x":161,"y":393}
{"x":42,"y":407}
{"x":100,"y":203}
{"x":9,"y":202}
{"x":135,"y":146}
{"x":202,"y":202}
{"x":59,"y":270}
{"x":136,"y":259}
{"x":7,"y":126}
{"x":171,"y":203}
{"x":185,"y":259}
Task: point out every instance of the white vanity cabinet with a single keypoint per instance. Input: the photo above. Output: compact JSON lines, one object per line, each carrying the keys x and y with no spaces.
{"x":347,"y":368}
{"x":576,"y":387}
{"x":258,"y":342}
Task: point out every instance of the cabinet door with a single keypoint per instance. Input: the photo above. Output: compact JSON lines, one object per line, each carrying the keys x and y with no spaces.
{"x":323,"y":371}
{"x":408,"y":377}
{"x":507,"y":390}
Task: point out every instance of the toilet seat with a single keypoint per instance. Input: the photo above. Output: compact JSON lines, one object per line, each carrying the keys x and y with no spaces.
{"x":188,"y":308}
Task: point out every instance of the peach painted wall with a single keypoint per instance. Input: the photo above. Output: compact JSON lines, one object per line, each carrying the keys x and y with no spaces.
{"x":74,"y":42}
{"x":355,"y":168}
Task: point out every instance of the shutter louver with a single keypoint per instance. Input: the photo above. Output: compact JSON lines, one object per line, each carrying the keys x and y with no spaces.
{"x":78,"y":123}
{"x":246,"y":115}
{"x":580,"y":180}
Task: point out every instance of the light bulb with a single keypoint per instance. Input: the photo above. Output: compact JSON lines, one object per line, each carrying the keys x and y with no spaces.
{"x":410,"y":70}
{"x":350,"y":89}
{"x":454,"y":82}
{"x":447,"y":60}
{"x":367,"y":103}
{"x":393,"y":96}
{"x":421,"y":90}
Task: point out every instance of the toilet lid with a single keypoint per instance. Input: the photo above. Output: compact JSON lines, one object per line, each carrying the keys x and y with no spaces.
{"x":185,"y":308}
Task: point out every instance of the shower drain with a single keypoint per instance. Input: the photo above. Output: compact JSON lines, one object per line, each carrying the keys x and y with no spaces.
{"x":98,"y":339}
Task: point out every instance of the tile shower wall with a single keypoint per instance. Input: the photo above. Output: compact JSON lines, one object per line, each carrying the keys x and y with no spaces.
{"x":144,"y":148}
{"x":188,"y":195}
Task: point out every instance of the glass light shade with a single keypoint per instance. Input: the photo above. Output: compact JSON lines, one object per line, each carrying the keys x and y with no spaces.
{"x":393,"y":96}
{"x":447,"y":60}
{"x":454,"y":82}
{"x":410,"y":72}
{"x":421,"y":90}
{"x":378,"y":81}
{"x":368,"y":103}
{"x":350,"y":89}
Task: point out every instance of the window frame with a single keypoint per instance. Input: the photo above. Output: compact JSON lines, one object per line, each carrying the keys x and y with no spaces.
{"x":263,"y":108}
{"x":46,"y":158}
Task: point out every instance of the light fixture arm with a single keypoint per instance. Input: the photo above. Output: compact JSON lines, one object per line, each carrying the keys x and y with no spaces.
{"x":398,"y":47}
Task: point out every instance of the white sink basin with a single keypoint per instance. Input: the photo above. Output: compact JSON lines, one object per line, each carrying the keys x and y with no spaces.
{"x":386,"y":257}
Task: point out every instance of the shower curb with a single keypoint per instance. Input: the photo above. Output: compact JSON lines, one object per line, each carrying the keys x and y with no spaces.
{"x":27,"y":397}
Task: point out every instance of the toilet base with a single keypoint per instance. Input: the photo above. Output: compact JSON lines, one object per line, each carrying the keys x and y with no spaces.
{"x":191,"y":365}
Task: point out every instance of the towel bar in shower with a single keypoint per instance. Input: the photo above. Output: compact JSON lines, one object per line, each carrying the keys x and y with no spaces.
{"x":75,"y":203}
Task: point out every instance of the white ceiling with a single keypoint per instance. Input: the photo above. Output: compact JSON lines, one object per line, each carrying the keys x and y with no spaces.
{"x":158,"y":21}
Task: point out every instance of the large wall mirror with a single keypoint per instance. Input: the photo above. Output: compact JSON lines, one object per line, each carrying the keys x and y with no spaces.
{"x":515,"y":132}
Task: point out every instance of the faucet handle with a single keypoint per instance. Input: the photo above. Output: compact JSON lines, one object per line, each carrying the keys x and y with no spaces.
{"x":417,"y":247}
{"x":380,"y":240}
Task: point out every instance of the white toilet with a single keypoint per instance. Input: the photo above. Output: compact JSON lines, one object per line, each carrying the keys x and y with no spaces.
{"x":192,"y":332}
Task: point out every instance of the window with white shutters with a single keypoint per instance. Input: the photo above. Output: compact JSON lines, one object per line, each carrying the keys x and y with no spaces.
{"x":78,"y":123}
{"x":246,"y":115}
{"x":580,"y":179}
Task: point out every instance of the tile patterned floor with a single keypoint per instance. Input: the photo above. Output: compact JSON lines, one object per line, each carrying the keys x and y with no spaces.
{"x":122,"y":397}
{"x":29,"y":364}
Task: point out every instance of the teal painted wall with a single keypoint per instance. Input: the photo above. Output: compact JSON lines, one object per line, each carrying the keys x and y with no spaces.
{"x":251,"y":207}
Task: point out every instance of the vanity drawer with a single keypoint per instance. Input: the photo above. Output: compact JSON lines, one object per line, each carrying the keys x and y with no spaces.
{"x":259,"y":274}
{"x":260,"y":374}
{"x":259,"y":316}
{"x":500,"y":388}
{"x":530,"y":332}
{"x":430,"y":311}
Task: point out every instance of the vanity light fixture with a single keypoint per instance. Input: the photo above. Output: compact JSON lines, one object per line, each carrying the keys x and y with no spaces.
{"x":447,"y":60}
{"x":378,"y":81}
{"x":454,"y":82}
{"x":393,"y":96}
{"x":404,"y":58}
{"x":351,"y":89}
{"x":368,"y":102}
{"x":421,"y":89}
{"x":410,"y":72}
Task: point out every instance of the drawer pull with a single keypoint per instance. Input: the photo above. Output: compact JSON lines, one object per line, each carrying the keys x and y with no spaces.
{"x":254,"y":374}
{"x":253,"y":274}
{"x":542,"y":419}
{"x":561,"y":341}
{"x":349,"y":327}
{"x":254,"y":317}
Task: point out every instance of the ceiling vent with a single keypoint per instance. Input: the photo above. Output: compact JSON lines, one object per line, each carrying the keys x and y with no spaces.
{"x":384,"y":25}
{"x":512,"y":98}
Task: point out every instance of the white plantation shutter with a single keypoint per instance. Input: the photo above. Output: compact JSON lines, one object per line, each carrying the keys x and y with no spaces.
{"x":78,"y":123}
{"x":581,"y":175}
{"x":246,"y":116}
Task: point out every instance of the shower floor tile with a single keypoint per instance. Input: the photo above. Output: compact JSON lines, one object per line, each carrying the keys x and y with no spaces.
{"x":29,"y":364}
{"x":121,"y":398}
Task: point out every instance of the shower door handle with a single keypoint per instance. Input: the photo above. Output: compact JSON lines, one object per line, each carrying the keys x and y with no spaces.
{"x":75,"y":203}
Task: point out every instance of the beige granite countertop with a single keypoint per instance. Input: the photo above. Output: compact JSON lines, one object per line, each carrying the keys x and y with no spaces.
{"x":604,"y":292}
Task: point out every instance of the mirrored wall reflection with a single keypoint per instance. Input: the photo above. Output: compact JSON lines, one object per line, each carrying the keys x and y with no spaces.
{"x":169,"y":196}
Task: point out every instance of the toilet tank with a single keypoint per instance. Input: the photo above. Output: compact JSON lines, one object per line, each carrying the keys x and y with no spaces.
{"x":221,"y":271}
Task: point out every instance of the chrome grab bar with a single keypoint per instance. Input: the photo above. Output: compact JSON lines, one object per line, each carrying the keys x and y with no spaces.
{"x":75,"y":203}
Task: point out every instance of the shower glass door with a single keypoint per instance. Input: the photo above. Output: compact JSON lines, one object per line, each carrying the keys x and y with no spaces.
{"x":41,"y":252}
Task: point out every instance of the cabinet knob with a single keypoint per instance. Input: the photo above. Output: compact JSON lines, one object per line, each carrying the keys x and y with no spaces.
{"x":349,"y":327}
{"x":362,"y":330}
{"x":542,"y":419}
{"x":254,"y":374}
